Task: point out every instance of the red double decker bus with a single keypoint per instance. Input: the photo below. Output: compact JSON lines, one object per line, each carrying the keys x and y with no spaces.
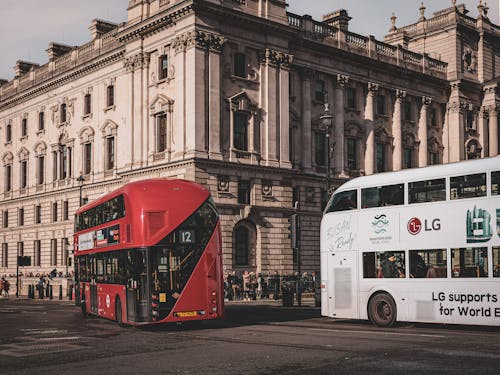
{"x":150,"y":252}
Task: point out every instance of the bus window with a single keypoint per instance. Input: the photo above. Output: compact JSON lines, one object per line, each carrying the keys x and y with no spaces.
{"x":473,"y":185}
{"x":427,"y":191}
{"x":389,"y":264}
{"x":496,"y":262}
{"x":343,"y":201}
{"x":495,"y":183}
{"x":470,"y":262}
{"x":389,"y":195}
{"x":428,"y":263}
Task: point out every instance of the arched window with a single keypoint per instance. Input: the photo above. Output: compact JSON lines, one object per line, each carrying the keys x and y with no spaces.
{"x":241,"y":246}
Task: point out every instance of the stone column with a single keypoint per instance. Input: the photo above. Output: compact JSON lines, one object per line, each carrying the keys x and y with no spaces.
{"x":482,"y":129}
{"x":269,"y":104}
{"x":339,"y":94}
{"x":397,"y":131}
{"x":493,"y":130}
{"x":306,"y":149}
{"x":283,"y":104}
{"x":214,"y":96}
{"x":422,"y":132}
{"x":369,"y":128}
{"x":456,"y":146}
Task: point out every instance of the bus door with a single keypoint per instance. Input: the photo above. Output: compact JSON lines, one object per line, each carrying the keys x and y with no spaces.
{"x":93,"y":297}
{"x":343,"y":284}
{"x":137,"y":286}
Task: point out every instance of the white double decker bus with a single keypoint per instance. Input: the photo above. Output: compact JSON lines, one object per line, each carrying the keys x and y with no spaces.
{"x":420,"y":245}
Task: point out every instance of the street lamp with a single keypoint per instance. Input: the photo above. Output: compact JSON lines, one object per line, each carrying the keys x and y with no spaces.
{"x":327,"y":121}
{"x":80,"y":180}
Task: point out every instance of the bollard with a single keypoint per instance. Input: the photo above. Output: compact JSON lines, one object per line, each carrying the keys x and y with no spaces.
{"x":60,"y":292}
{"x":50,"y":291}
{"x":47,"y":291}
{"x":31,"y":291}
{"x":40,"y":291}
{"x":70,"y":292}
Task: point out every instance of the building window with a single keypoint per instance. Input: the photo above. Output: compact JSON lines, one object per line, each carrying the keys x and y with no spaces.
{"x":319,"y":149}
{"x":407,"y":111}
{"x":408,"y":158}
{"x":8,"y":178}
{"x":243,"y":192}
{"x":240,"y":66}
{"x":161,"y":131}
{"x":62,"y":115}
{"x":40,"y":170}
{"x":21,"y":217}
{"x":351,"y":98}
{"x":433,"y":116}
{"x":54,"y":211}
{"x":352,"y":154}
{"x":53,"y":252}
{"x":110,"y":152}
{"x":63,"y":161}
{"x":433,"y":158}
{"x":54,"y":165}
{"x":110,"y":96}
{"x":38,"y":214}
{"x":87,"y":104}
{"x":65,"y":210}
{"x":20,"y":249}
{"x":469,"y":120}
{"x":24,"y":174}
{"x":37,"y":252}
{"x":24,"y":127}
{"x":87,"y":158}
{"x":241,"y":246}
{"x":381,"y":156}
{"x":6,"y":219}
{"x":163,"y":67}
{"x":8,"y":133}
{"x":5,"y":255}
{"x":320,"y":91}
{"x":381,"y":106}
{"x":41,"y":121}
{"x":240,"y":140}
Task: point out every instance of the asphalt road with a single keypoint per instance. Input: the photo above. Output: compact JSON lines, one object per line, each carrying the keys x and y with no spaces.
{"x":52,"y":337}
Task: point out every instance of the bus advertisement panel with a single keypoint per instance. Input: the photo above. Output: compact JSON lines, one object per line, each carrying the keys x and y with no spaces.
{"x":150,"y":252}
{"x":405,"y":246}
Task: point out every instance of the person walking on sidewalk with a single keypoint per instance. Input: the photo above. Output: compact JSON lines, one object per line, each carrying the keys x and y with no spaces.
{"x":5,"y":287}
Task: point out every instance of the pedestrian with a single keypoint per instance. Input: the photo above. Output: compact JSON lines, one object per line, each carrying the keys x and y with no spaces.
{"x":1,"y":286}
{"x":276,"y":280}
{"x":246,"y":285}
{"x":5,"y":287}
{"x":299,"y":284}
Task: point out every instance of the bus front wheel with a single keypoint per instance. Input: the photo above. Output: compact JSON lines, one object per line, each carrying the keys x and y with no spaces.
{"x":118,"y":312}
{"x":382,"y":310}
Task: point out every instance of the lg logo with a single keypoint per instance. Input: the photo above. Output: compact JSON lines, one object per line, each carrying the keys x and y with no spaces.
{"x":415,"y":225}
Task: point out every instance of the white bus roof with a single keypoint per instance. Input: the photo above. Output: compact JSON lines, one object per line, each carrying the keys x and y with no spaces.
{"x":424,"y":173}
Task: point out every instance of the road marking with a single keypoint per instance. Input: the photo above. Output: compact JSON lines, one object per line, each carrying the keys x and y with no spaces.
{"x":59,"y":338}
{"x":375,"y":332}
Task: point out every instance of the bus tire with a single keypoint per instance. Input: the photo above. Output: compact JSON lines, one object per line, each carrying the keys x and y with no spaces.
{"x":382,"y":310}
{"x":83,"y":306}
{"x":118,"y":312}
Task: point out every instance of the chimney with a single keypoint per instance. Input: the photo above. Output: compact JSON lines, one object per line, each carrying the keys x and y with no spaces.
{"x":99,"y":27}
{"x":339,"y":19}
{"x":22,"y":67}
{"x":55,"y":50}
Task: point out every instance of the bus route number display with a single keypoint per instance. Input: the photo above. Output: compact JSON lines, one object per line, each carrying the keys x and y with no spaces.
{"x":186,"y":236}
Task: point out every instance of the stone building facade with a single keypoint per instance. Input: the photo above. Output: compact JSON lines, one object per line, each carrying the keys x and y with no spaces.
{"x":231,"y":94}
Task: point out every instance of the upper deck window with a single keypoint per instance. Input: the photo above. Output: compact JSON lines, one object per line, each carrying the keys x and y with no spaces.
{"x":427,"y":191}
{"x":343,"y":201}
{"x":470,"y":186}
{"x":105,"y":212}
{"x":495,"y":183}
{"x":380,"y":196}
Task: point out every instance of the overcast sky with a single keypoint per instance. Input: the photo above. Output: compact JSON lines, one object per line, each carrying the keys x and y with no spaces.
{"x":27,"y":27}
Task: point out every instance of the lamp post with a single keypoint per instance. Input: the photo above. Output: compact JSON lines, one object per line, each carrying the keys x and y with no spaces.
{"x":327,"y":121}
{"x":80,"y":180}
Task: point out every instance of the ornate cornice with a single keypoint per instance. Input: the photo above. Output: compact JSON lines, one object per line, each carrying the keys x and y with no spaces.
{"x":372,"y":88}
{"x":342,"y":80}
{"x":273,"y":57}
{"x":137,"y":61}
{"x":400,"y":95}
{"x":426,"y":100}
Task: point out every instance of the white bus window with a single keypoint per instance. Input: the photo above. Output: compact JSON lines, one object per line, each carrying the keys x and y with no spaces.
{"x":470,"y":186}
{"x":496,"y":262}
{"x":389,"y":264}
{"x":470,"y":262}
{"x":390,"y":195}
{"x":343,"y":201}
{"x":427,"y":191}
{"x":428,"y":263}
{"x":495,"y":183}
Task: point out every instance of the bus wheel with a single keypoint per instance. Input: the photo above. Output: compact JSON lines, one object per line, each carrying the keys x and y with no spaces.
{"x":118,"y":312}
{"x":382,"y":310}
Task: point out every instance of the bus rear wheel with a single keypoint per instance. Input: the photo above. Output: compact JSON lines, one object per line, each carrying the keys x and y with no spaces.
{"x":118,"y":312}
{"x":382,"y":310}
